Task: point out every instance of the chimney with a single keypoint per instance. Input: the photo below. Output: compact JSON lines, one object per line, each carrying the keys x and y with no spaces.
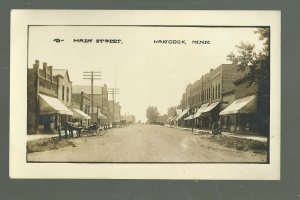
{"x":36,"y":66}
{"x":50,"y":69}
{"x":211,"y":70}
{"x":45,"y":69}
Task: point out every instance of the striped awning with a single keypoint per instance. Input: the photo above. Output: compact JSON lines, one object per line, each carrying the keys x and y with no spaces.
{"x":101,"y":116}
{"x":210,"y":107}
{"x":78,"y":114}
{"x":182,"y":114}
{"x":198,"y":113}
{"x":51,"y":105}
{"x":170,"y":118}
{"x":189,"y":117}
{"x":243,"y":106}
{"x":174,"y":118}
{"x":97,"y":113}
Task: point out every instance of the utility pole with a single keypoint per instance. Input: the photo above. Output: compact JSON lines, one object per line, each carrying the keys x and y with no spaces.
{"x":92,"y":75}
{"x":113,"y":92}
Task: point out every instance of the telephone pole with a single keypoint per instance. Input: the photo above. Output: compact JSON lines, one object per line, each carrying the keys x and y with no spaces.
{"x":113,"y":92}
{"x":92,"y":75}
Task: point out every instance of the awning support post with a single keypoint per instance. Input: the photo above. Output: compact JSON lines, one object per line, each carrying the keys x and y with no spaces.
{"x":234,"y":122}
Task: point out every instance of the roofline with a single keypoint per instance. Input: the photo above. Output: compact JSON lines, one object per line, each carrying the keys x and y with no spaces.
{"x":242,"y":80}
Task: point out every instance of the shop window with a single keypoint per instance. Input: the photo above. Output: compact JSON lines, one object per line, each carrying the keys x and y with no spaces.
{"x":67,"y":94}
{"x":219,"y":91}
{"x":63,"y":93}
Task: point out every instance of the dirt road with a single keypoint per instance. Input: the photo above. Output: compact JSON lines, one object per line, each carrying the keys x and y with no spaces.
{"x":146,"y":143}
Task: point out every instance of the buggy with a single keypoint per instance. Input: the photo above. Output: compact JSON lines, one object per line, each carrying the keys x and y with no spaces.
{"x":93,"y":129}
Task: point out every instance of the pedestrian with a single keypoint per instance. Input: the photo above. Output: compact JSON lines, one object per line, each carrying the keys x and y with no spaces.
{"x":65,"y":127}
{"x":70,"y":127}
{"x":59,"y":133}
{"x":213,"y":126}
{"x":219,"y":127}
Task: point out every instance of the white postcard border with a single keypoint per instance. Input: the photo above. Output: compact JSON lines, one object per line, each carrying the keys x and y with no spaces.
{"x":19,"y":168}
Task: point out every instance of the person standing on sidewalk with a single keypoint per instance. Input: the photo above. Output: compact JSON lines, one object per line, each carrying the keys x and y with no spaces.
{"x":58,"y":131}
{"x":65,"y":127}
{"x":219,"y":127}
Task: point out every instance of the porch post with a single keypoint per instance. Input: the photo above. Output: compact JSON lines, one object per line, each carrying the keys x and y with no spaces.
{"x":234,"y":122}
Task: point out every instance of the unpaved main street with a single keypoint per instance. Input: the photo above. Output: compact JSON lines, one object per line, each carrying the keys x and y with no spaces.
{"x":146,"y":143}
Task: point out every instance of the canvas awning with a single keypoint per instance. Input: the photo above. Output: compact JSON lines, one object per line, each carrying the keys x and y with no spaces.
{"x":78,"y":114}
{"x":101,"y":116}
{"x":173,"y":118}
{"x":198,"y":113}
{"x":210,"y":107}
{"x":98,"y":113}
{"x":244,"y":105}
{"x":170,"y":118}
{"x":51,"y":105}
{"x":182,"y":114}
{"x":189,"y":117}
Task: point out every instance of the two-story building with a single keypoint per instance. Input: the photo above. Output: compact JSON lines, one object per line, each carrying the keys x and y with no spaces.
{"x":81,"y":103}
{"x":64,"y":90}
{"x":206,"y":96}
{"x":45,"y":112}
{"x":114,"y":112}
{"x":100,"y":101}
{"x":240,"y":115}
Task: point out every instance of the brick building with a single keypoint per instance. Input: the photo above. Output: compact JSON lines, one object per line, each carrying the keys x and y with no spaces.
{"x":241,"y":115}
{"x":45,"y":112}
{"x":81,"y":101}
{"x":114,"y":115}
{"x":203,"y":100}
{"x":64,"y":86}
{"x":101,"y":105}
{"x":127,"y":119}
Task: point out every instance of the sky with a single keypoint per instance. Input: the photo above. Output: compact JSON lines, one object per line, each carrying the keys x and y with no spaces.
{"x":147,"y":73}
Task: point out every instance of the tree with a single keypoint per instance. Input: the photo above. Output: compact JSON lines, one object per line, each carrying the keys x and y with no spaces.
{"x":172,"y":111}
{"x":163,"y":118}
{"x":257,"y":65}
{"x":256,"y":62}
{"x":152,"y":114}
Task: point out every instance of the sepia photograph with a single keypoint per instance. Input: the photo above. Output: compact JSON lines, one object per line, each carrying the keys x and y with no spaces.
{"x":150,"y":93}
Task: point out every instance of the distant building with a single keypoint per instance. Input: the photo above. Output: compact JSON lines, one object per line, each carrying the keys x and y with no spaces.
{"x":128,"y":119}
{"x":173,"y":113}
{"x":101,"y":104}
{"x":81,"y":101}
{"x":114,"y":112}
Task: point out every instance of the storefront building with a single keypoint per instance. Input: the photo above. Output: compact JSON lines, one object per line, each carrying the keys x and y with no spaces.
{"x":240,"y":116}
{"x":114,"y":112}
{"x":206,"y":96}
{"x":45,"y":112}
{"x":100,"y":100}
{"x":81,"y":101}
